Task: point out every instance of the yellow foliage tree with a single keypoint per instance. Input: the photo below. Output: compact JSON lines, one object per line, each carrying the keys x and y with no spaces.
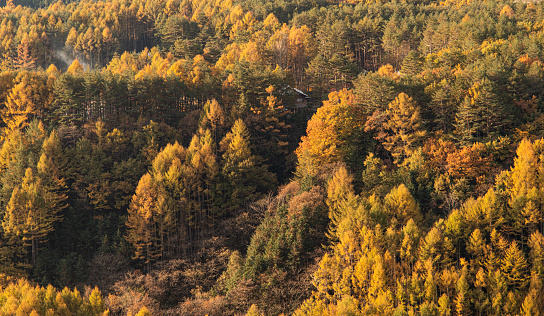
{"x":75,"y":67}
{"x":403,"y":126}
{"x":507,"y":11}
{"x":28,"y":97}
{"x":402,"y":206}
{"x":143,"y":221}
{"x":31,"y":212}
{"x":328,"y":133}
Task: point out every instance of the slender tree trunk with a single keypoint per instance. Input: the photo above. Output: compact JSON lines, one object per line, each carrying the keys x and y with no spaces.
{"x":34,"y":251}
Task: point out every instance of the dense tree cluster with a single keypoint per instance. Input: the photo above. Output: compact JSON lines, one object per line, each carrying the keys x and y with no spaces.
{"x":315,"y":157}
{"x":484,"y":257}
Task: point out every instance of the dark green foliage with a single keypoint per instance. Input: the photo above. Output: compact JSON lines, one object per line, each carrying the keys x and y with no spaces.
{"x":276,"y":244}
{"x":69,"y":99}
{"x":177,"y":28}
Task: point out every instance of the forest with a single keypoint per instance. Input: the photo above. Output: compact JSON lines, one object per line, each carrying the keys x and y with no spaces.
{"x":280,"y":157}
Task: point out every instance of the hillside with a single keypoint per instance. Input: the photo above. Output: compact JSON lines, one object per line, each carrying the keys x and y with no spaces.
{"x":247,"y":157}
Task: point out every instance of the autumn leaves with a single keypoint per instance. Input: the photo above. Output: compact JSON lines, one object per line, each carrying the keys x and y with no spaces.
{"x":188,"y":189}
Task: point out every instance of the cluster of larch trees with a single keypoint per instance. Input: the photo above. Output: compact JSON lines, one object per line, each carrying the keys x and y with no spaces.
{"x":188,"y":189}
{"x":484,"y":257}
{"x":407,"y":157}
